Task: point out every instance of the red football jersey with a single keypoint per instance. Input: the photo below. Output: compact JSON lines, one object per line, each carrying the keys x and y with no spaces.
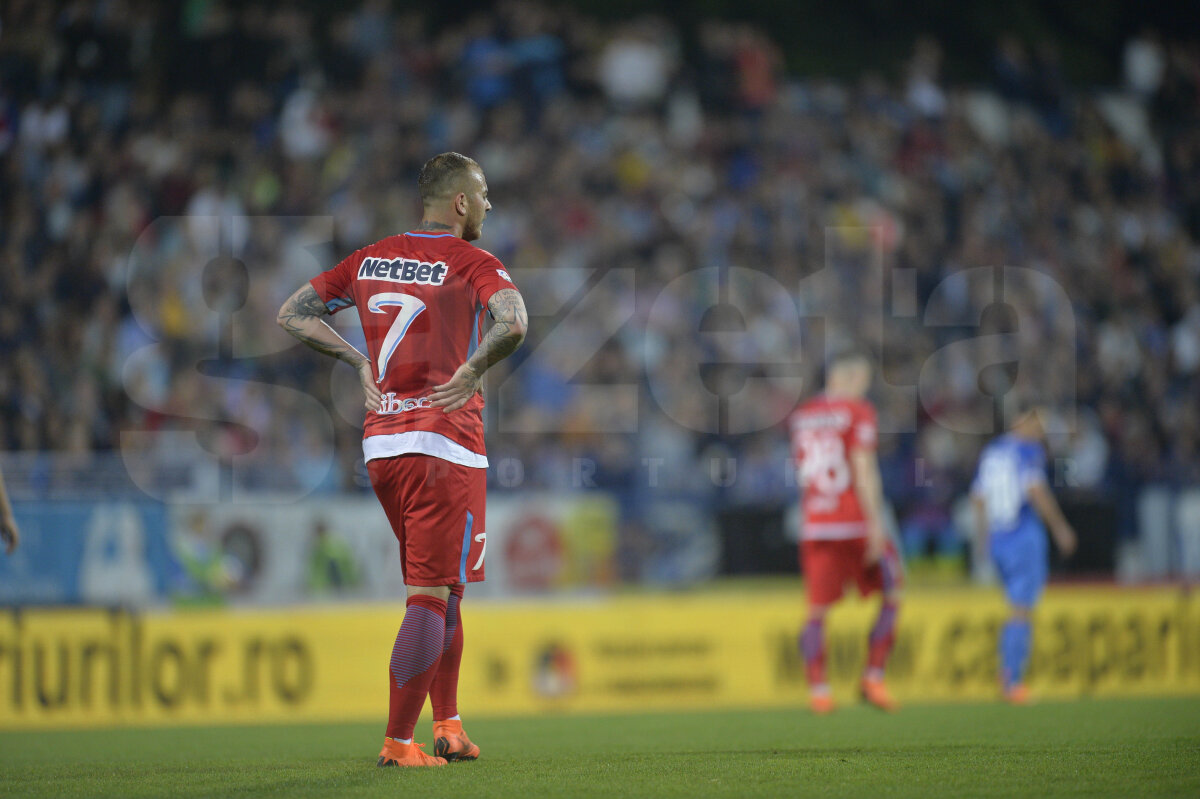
{"x":824,"y":432}
{"x":421,"y":298}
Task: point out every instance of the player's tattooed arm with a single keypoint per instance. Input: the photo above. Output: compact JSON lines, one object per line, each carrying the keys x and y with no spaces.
{"x":512,"y":320}
{"x":301,"y":316}
{"x":508,"y":309}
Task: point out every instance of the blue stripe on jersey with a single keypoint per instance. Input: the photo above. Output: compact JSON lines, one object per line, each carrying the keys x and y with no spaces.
{"x":429,"y":235}
{"x":473,"y":344}
{"x":338,"y":303}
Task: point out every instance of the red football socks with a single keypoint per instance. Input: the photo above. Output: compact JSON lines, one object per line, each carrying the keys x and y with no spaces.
{"x":883,"y":636}
{"x":812,"y":647}
{"x":443,"y":692}
{"x":414,"y":661}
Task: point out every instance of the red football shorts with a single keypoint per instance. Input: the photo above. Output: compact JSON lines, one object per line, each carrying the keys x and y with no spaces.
{"x":436,"y":509}
{"x":829,"y":565}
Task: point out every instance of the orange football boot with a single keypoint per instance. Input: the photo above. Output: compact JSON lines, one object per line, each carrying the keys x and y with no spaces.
{"x":875,"y":692}
{"x":395,"y":753}
{"x":450,"y":742}
{"x":821,"y":704}
{"x":1017,"y":694}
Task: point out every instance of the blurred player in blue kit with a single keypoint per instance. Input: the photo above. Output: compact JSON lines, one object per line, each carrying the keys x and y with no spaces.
{"x":1011,"y":501}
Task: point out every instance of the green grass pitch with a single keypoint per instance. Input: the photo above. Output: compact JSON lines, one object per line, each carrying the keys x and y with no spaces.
{"x":1089,"y":748}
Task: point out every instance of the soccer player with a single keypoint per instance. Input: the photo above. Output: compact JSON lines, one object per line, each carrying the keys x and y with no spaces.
{"x":833,"y":442}
{"x":10,"y":536}
{"x":420,"y":298}
{"x":1008,"y":496}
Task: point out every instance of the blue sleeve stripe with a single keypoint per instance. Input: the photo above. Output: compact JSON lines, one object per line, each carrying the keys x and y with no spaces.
{"x":473,"y":344}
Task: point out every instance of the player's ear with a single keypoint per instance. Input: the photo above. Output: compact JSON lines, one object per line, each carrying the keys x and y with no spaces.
{"x":460,"y":203}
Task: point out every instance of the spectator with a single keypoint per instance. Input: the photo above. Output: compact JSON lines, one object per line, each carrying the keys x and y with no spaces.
{"x":636,"y":66}
{"x":1145,"y":62}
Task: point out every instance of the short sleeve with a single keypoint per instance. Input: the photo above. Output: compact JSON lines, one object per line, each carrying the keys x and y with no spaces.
{"x":865,"y":433}
{"x":489,"y":276}
{"x":1033,"y":467}
{"x":335,"y":286}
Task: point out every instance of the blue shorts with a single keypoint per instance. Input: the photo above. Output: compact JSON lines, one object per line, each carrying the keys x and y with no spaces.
{"x":1022,"y":559}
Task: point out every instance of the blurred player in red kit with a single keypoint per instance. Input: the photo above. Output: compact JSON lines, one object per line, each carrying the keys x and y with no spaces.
{"x":833,"y":442}
{"x":420,"y":298}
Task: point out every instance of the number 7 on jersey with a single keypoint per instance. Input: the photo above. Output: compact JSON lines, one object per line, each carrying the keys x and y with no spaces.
{"x":410,"y":308}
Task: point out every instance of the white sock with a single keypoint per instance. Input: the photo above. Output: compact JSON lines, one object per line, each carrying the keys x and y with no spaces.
{"x":402,"y":740}
{"x":455,"y":717}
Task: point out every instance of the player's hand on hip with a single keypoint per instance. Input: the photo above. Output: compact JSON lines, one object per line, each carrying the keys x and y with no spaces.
{"x":9,"y":534}
{"x":367,"y":378}
{"x":455,"y":394}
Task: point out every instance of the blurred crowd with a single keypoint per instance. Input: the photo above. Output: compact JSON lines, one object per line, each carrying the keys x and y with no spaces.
{"x":694,"y":228}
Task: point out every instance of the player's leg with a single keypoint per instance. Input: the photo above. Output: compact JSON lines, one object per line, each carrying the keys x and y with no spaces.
{"x":443,"y":692}
{"x":1021,"y":560}
{"x":415,"y":657}
{"x":449,"y":739}
{"x":467,"y":490}
{"x":418,"y":646}
{"x":886,"y":577}
{"x":812,"y":647}
{"x":824,"y":580}
{"x":1015,"y":639}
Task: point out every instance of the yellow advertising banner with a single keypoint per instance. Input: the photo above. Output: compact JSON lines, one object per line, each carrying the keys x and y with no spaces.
{"x":92,"y":668}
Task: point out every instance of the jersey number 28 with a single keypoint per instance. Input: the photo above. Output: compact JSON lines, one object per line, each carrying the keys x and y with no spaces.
{"x":824,"y":467}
